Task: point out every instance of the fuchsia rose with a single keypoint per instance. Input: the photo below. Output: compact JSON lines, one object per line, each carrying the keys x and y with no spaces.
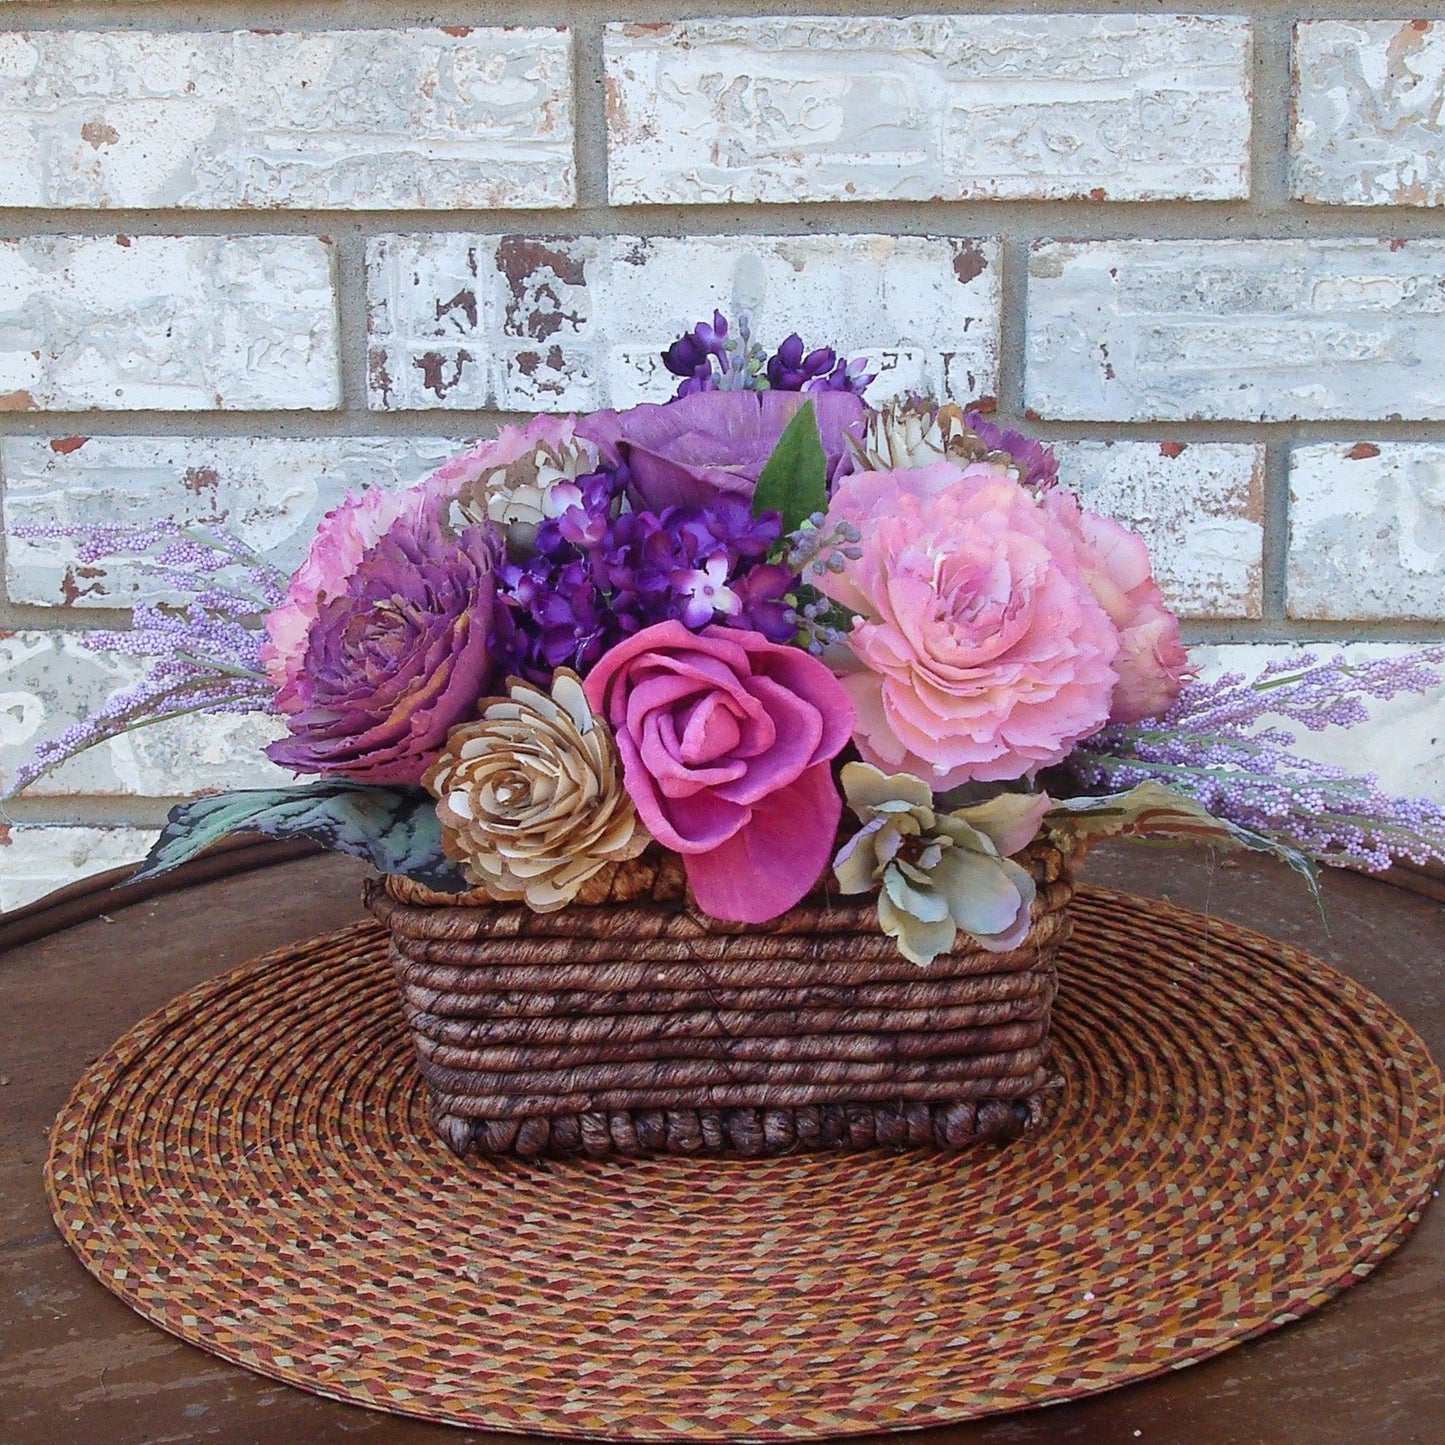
{"x":382,"y":642}
{"x":1152,"y":665}
{"x":683,"y":453}
{"x":979,"y":652}
{"x":725,"y":740}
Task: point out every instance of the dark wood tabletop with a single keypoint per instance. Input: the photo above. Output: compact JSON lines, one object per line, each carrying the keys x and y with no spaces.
{"x":76,"y":1366}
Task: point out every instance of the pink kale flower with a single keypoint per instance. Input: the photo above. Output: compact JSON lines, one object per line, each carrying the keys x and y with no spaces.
{"x":1152,"y":665}
{"x":979,"y":652}
{"x":725,"y":740}
{"x":382,"y":642}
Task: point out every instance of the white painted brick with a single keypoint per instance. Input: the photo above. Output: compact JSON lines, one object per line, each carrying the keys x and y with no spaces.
{"x":1404,"y":740}
{"x":185,"y":323}
{"x":1117,"y":107}
{"x":355,"y":119}
{"x":554,"y":324}
{"x":1199,"y":507}
{"x":1367,"y":531}
{"x":48,"y":681}
{"x":1249,"y":330}
{"x":36,"y":860}
{"x":270,"y":492}
{"x":1368,"y":101}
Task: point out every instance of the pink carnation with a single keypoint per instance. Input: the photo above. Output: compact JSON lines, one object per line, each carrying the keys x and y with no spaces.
{"x":725,"y":740}
{"x":1151,"y":664}
{"x":979,"y":652}
{"x":346,"y":534}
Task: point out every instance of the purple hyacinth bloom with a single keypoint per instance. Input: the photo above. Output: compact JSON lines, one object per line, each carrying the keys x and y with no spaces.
{"x":600,"y":574}
{"x":690,"y":451}
{"x":691,"y":355}
{"x":395,"y":657}
{"x":1038,"y":463}
{"x":789,"y":369}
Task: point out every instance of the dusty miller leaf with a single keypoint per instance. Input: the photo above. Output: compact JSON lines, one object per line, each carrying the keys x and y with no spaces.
{"x":394,"y":829}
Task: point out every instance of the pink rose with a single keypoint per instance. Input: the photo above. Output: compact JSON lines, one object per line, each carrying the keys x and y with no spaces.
{"x":725,"y":740}
{"x":979,"y":652}
{"x":1151,"y":664}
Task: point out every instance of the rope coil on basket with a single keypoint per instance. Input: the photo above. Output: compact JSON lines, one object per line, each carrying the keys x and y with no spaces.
{"x":632,"y":1023}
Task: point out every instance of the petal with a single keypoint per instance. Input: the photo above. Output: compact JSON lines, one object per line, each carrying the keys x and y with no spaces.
{"x":769,"y":863}
{"x":918,"y":942}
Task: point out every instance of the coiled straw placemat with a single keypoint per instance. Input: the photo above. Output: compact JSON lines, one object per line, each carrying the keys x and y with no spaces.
{"x":1240,"y":1134}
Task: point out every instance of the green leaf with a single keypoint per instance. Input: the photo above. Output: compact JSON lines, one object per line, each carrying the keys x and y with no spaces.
{"x":1151,"y":810}
{"x":795,"y":479}
{"x":396,"y":830}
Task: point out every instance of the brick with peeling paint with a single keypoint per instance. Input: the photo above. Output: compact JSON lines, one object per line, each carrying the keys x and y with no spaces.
{"x":48,"y":681}
{"x":555,"y":324}
{"x":1116,"y":107}
{"x":36,"y":860}
{"x":177,"y":323}
{"x":1367,"y":532}
{"x":1260,"y":330}
{"x":1403,"y":741}
{"x":1199,"y":507}
{"x":268,"y":491}
{"x":1368,"y":101}
{"x":345,"y":119}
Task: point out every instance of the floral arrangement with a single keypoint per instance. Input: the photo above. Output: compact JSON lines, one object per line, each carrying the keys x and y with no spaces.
{"x":798,"y":641}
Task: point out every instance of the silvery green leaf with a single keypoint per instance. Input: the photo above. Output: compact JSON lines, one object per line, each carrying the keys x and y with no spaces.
{"x":396,"y":830}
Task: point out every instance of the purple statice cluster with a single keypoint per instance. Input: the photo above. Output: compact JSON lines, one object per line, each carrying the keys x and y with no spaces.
{"x":600,"y":573}
{"x":1227,"y":744}
{"x":709,"y":358}
{"x":204,"y":649}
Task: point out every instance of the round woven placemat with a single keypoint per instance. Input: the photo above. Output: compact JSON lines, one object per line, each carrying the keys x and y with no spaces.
{"x":1241,"y":1133}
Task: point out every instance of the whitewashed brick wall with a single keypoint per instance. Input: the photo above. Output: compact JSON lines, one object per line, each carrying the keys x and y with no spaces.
{"x":255,"y":255}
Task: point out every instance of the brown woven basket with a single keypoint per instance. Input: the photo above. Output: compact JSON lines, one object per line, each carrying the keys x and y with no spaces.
{"x":634,"y":1024}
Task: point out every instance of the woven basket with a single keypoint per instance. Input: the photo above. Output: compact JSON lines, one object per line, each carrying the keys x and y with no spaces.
{"x":634,"y":1024}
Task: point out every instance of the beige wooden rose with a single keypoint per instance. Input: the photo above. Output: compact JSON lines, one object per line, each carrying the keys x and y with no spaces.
{"x":530,"y":796}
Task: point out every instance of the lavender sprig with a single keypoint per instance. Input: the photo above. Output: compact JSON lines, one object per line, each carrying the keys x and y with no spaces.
{"x":206,"y":649}
{"x":1215,"y":745}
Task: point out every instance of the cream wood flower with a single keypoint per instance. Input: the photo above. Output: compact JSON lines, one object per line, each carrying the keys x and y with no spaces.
{"x":902,"y":435}
{"x":522,"y":491}
{"x":530,"y":796}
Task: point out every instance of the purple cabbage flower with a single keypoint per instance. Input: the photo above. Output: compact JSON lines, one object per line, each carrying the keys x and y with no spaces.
{"x":395,"y":647}
{"x":688,"y":452}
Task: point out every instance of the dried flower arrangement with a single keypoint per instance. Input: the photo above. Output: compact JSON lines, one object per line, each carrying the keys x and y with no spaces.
{"x":716,"y":628}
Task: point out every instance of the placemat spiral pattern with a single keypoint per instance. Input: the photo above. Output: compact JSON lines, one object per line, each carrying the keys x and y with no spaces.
{"x":1240,"y":1133}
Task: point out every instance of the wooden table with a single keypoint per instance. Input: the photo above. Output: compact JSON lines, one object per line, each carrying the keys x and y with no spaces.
{"x":77,"y":1366}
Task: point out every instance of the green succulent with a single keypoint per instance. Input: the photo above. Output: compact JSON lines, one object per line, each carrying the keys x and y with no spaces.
{"x":938,"y":872}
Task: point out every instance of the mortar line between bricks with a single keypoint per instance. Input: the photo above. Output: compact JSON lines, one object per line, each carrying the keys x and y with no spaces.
{"x":311,"y":15}
{"x":1276,"y":531}
{"x":589,"y":111}
{"x":974,"y":219}
{"x":1270,"y":104}
{"x":1013,"y":322}
{"x":464,"y":424}
{"x":352,"y":331}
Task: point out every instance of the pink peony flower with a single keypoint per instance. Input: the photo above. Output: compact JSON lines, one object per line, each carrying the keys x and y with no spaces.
{"x":1152,"y":665}
{"x":979,"y":652}
{"x":725,"y":740}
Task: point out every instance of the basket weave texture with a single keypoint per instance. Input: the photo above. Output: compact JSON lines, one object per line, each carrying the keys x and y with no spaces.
{"x":635,"y":1024}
